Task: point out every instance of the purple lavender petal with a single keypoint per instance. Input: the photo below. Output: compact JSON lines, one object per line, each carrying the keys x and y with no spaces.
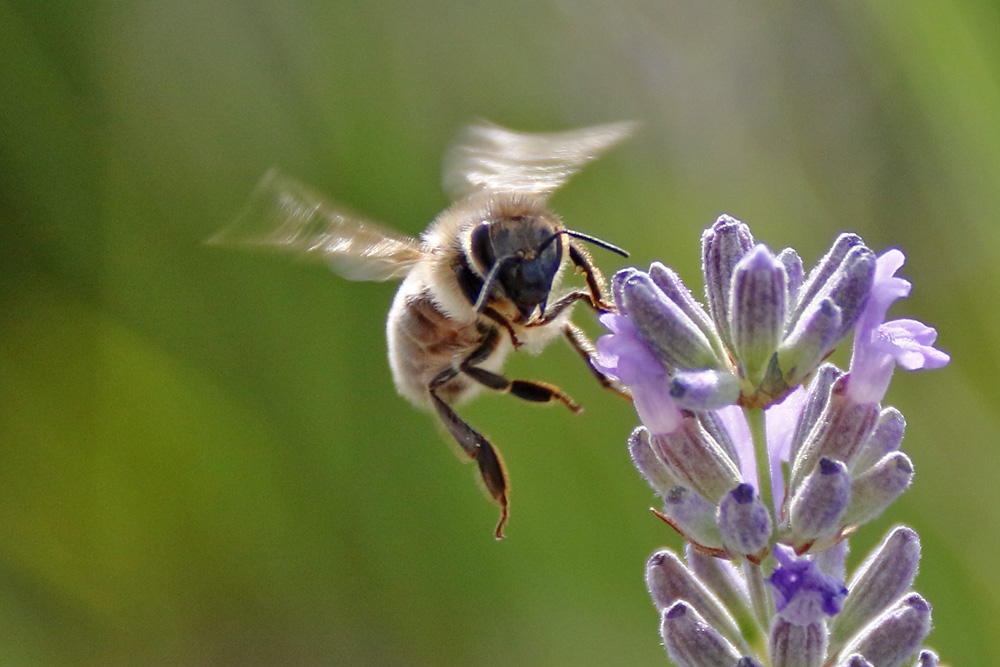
{"x":879,"y":345}
{"x":911,"y":344}
{"x":735,"y":422}
{"x":802,"y":593}
{"x":625,"y":356}
{"x":780,"y":423}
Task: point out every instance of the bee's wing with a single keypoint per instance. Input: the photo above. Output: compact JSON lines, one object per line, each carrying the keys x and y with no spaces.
{"x":487,"y":156}
{"x":285,"y":215}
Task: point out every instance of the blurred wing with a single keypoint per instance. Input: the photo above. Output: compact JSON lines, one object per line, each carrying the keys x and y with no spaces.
{"x":487,"y":156}
{"x":286,"y":216}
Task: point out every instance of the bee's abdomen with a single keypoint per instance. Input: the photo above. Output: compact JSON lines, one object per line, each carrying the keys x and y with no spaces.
{"x":423,"y":341}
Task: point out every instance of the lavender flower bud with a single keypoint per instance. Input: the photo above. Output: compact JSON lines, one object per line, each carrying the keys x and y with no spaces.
{"x":796,"y":645}
{"x":817,"y":399}
{"x":874,"y":490}
{"x":691,"y":642}
{"x":692,"y":516}
{"x":744,"y":523}
{"x":814,"y":335}
{"x":723,"y":579}
{"x":926,"y":659}
{"x":885,"y":575}
{"x":618,"y":282}
{"x":886,"y":438}
{"x":676,"y":340}
{"x":841,"y":431}
{"x":850,"y":285}
{"x":675,"y":290}
{"x":704,"y":390}
{"x":722,"y":246}
{"x":757,"y":312}
{"x":648,"y":463}
{"x":855,"y":660}
{"x":714,"y":425}
{"x":823,"y":271}
{"x":895,"y":634}
{"x":747,"y":661}
{"x":669,"y":580}
{"x":697,"y":460}
{"x":794,"y":274}
{"x":817,"y":507}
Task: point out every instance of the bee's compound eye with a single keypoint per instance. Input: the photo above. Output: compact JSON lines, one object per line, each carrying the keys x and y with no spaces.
{"x":481,"y":247}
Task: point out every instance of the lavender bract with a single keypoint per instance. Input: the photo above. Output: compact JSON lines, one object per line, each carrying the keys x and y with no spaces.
{"x":769,"y":459}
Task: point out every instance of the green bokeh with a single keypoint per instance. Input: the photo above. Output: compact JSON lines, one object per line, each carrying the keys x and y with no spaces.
{"x":202,"y":457}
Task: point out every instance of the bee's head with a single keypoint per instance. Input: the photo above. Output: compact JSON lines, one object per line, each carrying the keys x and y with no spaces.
{"x":518,"y":248}
{"x":521,"y":254}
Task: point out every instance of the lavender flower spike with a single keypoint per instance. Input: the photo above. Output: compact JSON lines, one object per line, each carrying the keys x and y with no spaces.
{"x":880,"y":346}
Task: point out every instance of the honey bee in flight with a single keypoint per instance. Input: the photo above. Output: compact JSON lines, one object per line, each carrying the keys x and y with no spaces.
{"x":481,"y":280}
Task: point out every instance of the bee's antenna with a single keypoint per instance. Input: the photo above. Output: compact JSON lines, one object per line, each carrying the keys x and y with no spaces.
{"x":583,"y":237}
{"x":598,"y":242}
{"x":488,"y":282}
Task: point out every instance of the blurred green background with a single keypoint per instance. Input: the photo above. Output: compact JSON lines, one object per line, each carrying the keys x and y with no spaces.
{"x":203,"y":460}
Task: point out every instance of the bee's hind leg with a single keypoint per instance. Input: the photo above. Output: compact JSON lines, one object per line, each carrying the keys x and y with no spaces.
{"x":578,"y":339}
{"x":476,"y":447}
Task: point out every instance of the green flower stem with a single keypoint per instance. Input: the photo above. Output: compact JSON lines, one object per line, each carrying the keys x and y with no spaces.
{"x":755,"y":418}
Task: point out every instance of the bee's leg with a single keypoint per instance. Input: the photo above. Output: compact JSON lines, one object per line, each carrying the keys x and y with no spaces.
{"x":595,"y":294}
{"x":596,"y":287}
{"x":553,"y":310}
{"x":529,"y":390}
{"x":489,"y":312}
{"x":578,"y":339}
{"x":476,"y":447}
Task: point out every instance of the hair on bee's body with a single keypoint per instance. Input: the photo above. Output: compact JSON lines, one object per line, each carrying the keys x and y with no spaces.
{"x":433,"y":321}
{"x":480,"y":282}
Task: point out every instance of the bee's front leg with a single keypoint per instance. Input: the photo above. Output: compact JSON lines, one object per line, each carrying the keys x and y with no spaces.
{"x":595,"y":294}
{"x":578,"y":339}
{"x":596,"y":287}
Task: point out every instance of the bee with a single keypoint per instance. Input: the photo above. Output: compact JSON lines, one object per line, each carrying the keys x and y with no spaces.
{"x":481,"y":281}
